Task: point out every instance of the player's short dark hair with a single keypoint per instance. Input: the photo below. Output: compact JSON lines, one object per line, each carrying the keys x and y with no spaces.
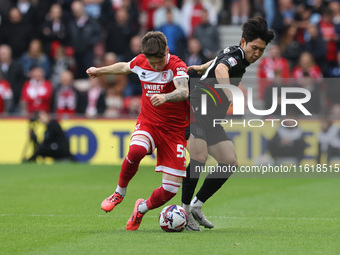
{"x":154,"y":44}
{"x":255,"y":28}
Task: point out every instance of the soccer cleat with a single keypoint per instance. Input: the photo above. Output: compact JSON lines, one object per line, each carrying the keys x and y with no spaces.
{"x":200,"y":217}
{"x":136,"y":218}
{"x":191,"y":224}
{"x":109,"y":203}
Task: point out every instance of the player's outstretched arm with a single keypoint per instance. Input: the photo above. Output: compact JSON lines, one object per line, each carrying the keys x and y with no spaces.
{"x":117,"y":68}
{"x":222,"y":76}
{"x":181,"y":93}
{"x":200,"y":69}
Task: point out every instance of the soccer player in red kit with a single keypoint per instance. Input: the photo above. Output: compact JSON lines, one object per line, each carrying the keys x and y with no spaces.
{"x":160,"y":124}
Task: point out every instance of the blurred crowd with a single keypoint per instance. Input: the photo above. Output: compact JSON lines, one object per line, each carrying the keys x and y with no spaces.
{"x":306,"y":53}
{"x":46,"y":46}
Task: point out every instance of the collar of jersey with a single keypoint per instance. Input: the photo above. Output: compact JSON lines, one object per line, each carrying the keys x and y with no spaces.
{"x":243,"y":58}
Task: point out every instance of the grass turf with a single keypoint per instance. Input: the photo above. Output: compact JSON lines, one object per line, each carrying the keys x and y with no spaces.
{"x":55,"y":209}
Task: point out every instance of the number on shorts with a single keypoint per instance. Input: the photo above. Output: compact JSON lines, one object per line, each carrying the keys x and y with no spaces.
{"x":180,"y":151}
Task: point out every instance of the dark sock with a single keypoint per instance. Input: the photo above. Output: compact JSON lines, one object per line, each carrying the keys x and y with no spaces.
{"x":190,"y":182}
{"x":212,"y":183}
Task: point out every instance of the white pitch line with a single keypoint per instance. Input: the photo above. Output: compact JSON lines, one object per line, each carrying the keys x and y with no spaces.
{"x":154,"y":216}
{"x":273,"y":218}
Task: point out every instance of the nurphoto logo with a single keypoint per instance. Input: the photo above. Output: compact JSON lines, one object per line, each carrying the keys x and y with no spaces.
{"x":239,"y":109}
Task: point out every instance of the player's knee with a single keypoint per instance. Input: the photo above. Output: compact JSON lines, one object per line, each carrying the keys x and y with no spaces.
{"x":230,"y":161}
{"x":200,"y":157}
{"x":136,"y":153}
{"x":234,"y":162}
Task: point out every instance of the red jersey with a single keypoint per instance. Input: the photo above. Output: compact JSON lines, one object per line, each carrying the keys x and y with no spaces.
{"x":266,"y":72}
{"x":149,"y":7}
{"x":314,"y":72}
{"x":196,"y":17}
{"x":37,"y":95}
{"x":328,"y":33}
{"x":66,"y":101}
{"x":5,"y":93}
{"x":174,"y":115}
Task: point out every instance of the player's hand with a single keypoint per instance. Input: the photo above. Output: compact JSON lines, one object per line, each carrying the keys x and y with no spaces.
{"x":158,"y":99}
{"x":197,"y":68}
{"x":92,"y":72}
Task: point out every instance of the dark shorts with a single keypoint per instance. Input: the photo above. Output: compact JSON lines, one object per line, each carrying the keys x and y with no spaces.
{"x":212,"y":135}
{"x":201,"y":125}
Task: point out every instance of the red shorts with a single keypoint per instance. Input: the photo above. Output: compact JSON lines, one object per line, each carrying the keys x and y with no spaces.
{"x":171,"y":152}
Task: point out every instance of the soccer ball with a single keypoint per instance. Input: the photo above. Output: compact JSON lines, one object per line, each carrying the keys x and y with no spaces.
{"x":173,"y":218}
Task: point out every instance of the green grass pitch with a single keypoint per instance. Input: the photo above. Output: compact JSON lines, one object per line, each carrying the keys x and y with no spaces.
{"x":55,"y":209}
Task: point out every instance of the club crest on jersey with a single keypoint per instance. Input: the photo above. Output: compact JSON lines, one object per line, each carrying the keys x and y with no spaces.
{"x":226,"y":50}
{"x":232,"y":61}
{"x":164,"y":76}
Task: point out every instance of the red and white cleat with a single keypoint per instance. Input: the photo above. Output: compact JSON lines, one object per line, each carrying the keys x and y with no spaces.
{"x":136,"y":217}
{"x":109,"y":203}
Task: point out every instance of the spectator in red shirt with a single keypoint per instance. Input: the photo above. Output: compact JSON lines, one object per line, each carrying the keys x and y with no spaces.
{"x":36,"y":93}
{"x":12,"y":72}
{"x":149,"y":7}
{"x":6,"y":96}
{"x":65,"y":96}
{"x":328,"y":33}
{"x":274,"y":62}
{"x":308,"y":75}
{"x":307,"y":65}
{"x":192,"y":12}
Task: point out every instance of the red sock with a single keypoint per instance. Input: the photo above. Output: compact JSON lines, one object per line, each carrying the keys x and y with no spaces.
{"x":158,"y":198}
{"x":130,"y":164}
